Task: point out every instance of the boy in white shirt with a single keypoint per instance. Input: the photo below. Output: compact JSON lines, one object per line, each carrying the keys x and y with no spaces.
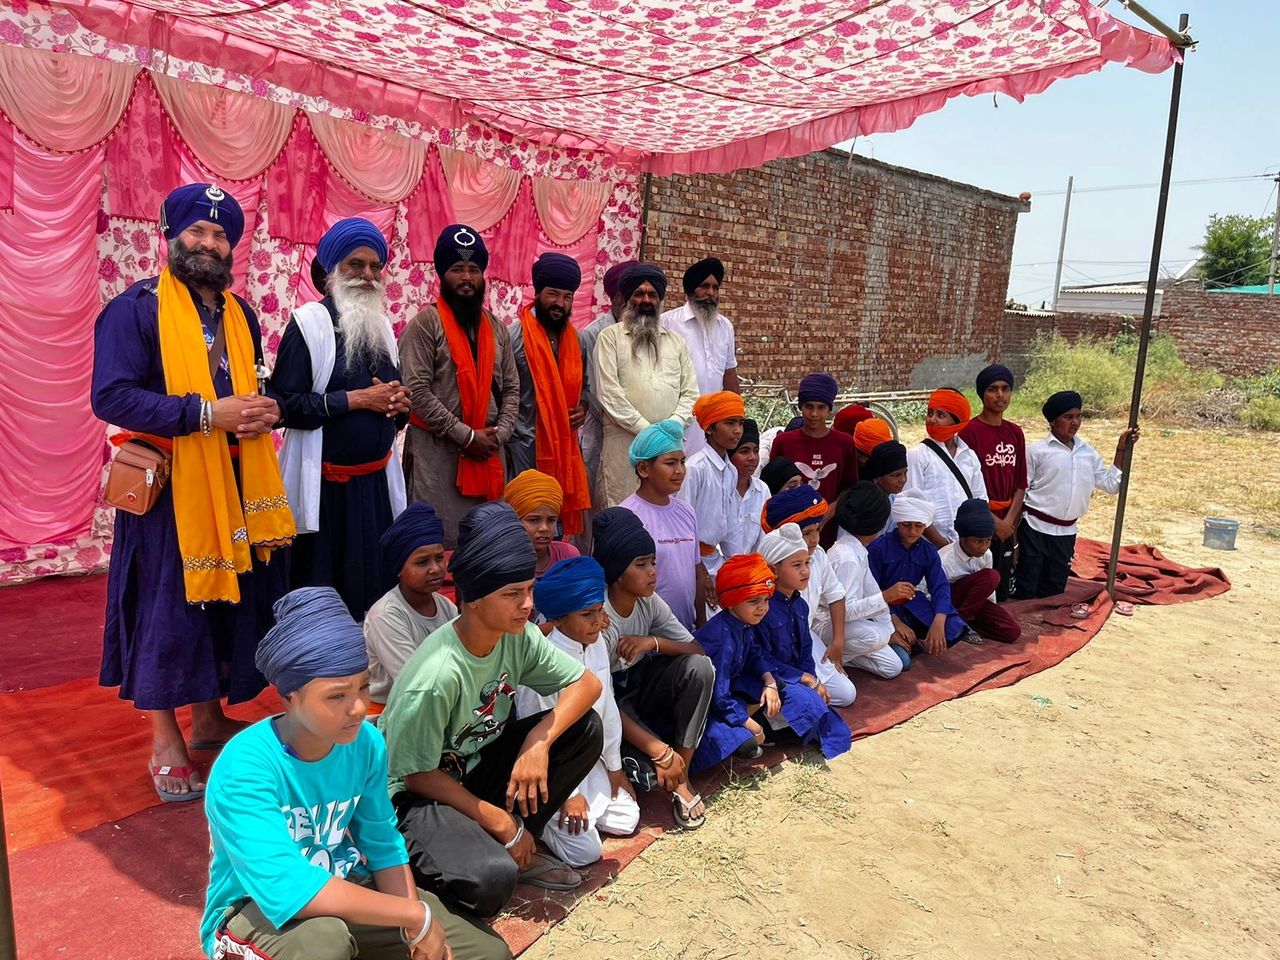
{"x":571,"y":596}
{"x":942,"y":470}
{"x":968,"y":565}
{"x":711,"y":480}
{"x":1062,"y":473}
{"x":749,"y":496}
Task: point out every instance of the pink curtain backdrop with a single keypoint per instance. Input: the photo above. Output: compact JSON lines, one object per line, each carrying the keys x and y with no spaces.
{"x":85,"y":210}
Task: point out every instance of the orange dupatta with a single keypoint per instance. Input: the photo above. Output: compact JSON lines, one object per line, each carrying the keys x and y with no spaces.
{"x":476,"y":478}
{"x":557,"y":388}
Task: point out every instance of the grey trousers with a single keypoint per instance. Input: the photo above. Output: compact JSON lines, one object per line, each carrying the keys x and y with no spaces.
{"x":668,"y":696}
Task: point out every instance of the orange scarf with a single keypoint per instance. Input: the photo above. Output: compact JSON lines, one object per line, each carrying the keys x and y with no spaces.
{"x":476,"y":478}
{"x":557,"y":388}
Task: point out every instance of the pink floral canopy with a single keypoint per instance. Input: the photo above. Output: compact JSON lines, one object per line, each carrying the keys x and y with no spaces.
{"x":679,"y":85}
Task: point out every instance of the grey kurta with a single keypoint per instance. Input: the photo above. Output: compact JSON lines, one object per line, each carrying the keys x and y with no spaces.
{"x":522,"y":450}
{"x":431,"y":455}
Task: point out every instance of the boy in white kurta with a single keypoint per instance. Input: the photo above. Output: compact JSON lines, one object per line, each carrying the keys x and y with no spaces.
{"x":711,"y":478}
{"x":571,"y":596}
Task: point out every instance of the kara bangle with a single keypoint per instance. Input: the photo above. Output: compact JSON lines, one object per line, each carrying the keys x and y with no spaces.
{"x":655,"y":645}
{"x":426,"y":925}
{"x":206,"y":417}
{"x":666,"y":759}
{"x":470,"y":438}
{"x":519,"y":833}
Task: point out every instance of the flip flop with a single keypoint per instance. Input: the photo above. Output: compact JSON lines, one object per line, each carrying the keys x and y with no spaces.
{"x":681,"y":810}
{"x":543,"y":864}
{"x":1079,"y":611}
{"x":1124,"y":608}
{"x":195,"y":791}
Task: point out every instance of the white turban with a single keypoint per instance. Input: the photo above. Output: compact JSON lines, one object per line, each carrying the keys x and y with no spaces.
{"x":784,"y":542}
{"x":911,"y":510}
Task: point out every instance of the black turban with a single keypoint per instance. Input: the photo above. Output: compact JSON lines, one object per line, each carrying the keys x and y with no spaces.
{"x":697,"y":274}
{"x":864,"y":510}
{"x":993,"y":374}
{"x":642,"y":273}
{"x":1060,"y":403}
{"x":883,"y":460}
{"x":617,"y":538}
{"x":777,"y":472}
{"x":556,"y":270}
{"x":493,"y":551}
{"x":974,"y":519}
{"x":458,"y":242}
{"x":750,"y":432}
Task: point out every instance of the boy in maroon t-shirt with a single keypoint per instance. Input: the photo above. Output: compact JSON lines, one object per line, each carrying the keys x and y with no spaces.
{"x":826,"y":458}
{"x":1002,"y":451}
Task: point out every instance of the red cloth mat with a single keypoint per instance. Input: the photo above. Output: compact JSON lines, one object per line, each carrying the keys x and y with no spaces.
{"x":1144,"y":575}
{"x":51,"y":631}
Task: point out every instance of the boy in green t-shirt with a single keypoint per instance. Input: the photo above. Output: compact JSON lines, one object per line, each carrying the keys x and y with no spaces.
{"x":471,"y":784}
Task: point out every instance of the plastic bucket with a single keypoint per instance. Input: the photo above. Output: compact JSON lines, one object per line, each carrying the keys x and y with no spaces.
{"x":1220,"y":533}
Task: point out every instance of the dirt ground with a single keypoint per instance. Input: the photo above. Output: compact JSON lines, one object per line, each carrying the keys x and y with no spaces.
{"x":1123,"y":804}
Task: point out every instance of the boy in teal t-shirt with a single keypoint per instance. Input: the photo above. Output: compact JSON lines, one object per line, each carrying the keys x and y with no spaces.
{"x":472,"y":784}
{"x":306,"y":861}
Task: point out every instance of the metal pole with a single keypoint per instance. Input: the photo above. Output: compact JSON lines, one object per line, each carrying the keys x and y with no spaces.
{"x":1275,"y":244}
{"x":1135,"y":404}
{"x":1179,"y":37}
{"x":644,"y":216}
{"x":8,"y":935}
{"x":1062,"y":245}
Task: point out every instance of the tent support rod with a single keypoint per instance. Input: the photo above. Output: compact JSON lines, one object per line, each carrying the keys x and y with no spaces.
{"x":8,"y":935}
{"x":1144,"y":340}
{"x":1177,"y":37}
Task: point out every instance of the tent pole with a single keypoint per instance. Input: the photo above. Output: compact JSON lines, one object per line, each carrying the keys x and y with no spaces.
{"x":8,"y":935}
{"x":1178,"y":37}
{"x":1135,"y":403}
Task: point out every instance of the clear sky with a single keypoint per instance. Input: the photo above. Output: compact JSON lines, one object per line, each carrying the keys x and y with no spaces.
{"x":1107,"y":129}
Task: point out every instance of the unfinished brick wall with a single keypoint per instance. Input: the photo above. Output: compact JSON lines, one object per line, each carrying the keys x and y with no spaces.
{"x":856,"y":267}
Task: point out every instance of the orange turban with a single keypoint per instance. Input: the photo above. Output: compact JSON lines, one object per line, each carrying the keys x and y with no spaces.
{"x":529,"y":490}
{"x":848,"y":418}
{"x":713,"y":407}
{"x":954,"y":403}
{"x":743,"y":577}
{"x":869,"y":434}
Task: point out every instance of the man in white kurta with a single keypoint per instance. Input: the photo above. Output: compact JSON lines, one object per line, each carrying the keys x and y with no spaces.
{"x":708,"y":334}
{"x":642,"y":375}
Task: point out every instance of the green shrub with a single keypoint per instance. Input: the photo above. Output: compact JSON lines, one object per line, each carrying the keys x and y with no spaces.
{"x":1267,"y":385}
{"x":1263,"y":413}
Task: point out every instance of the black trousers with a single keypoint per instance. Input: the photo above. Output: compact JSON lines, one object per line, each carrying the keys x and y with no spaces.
{"x":453,"y":856}
{"x":669,"y":696}
{"x":1044,"y":562}
{"x":1002,"y":555}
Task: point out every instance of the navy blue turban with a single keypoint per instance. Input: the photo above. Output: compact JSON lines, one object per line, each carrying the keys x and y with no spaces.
{"x":863,"y":510}
{"x":798,"y":505}
{"x":417,"y":526}
{"x":974,"y":519}
{"x":573,"y":584}
{"x":795,"y":423}
{"x":993,"y":374}
{"x":558,"y":271}
{"x":314,"y":636}
{"x":493,"y":551}
{"x":458,"y":242}
{"x":777,"y":472}
{"x":818,"y":387}
{"x":201,"y":201}
{"x":613,"y":277}
{"x":884,"y":459}
{"x":617,"y":539}
{"x":1060,"y":403}
{"x":639,"y":273}
{"x":348,"y":235}
{"x":697,"y":274}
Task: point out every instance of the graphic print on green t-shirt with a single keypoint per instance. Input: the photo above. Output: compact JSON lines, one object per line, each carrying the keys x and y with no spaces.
{"x":496,"y":699}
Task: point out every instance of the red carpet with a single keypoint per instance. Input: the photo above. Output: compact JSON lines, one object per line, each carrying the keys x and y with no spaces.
{"x":101,"y":869}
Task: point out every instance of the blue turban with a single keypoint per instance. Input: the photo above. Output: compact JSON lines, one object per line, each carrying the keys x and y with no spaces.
{"x":458,"y":242}
{"x":346,"y":236}
{"x":573,"y":584}
{"x":494,"y":550}
{"x":655,"y":440}
{"x":797,"y":505}
{"x":613,"y":277}
{"x":818,"y":387}
{"x":1060,"y":403}
{"x":556,"y":270}
{"x":314,"y":636}
{"x":417,"y":526}
{"x":993,"y":374}
{"x":201,"y":201}
{"x":795,"y":423}
{"x":617,"y":539}
{"x":639,"y":273}
{"x":974,"y":519}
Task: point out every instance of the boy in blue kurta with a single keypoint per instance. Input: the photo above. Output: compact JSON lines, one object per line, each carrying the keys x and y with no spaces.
{"x":306,"y":859}
{"x":927,"y":622}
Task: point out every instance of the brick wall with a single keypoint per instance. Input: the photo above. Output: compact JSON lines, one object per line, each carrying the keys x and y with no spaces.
{"x":871,"y":272}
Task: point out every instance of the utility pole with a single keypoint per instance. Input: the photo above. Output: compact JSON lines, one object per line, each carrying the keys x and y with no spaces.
{"x":1062,"y":245}
{"x":1275,"y":243}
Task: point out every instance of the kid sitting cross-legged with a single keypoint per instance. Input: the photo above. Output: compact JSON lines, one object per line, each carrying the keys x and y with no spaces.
{"x":571,"y":596}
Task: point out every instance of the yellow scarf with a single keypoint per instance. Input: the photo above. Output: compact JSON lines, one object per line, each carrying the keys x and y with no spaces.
{"x":213,"y":535}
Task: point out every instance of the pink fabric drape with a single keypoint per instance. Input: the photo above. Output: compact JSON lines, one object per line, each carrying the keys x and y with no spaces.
{"x":6,"y":163}
{"x":567,"y":209}
{"x":141,"y":158}
{"x":296,"y":185}
{"x":481,"y":192}
{"x":62,"y":101}
{"x":381,"y":164}
{"x":513,"y":240}
{"x":341,"y":201}
{"x":430,"y":209}
{"x":235,"y":136}
{"x":50,"y":443}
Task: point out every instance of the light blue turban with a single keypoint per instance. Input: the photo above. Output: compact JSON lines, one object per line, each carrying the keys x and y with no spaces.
{"x":655,"y":440}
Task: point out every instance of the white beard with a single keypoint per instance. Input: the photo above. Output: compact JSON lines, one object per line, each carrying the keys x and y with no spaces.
{"x":362,"y":318}
{"x":644,"y":328}
{"x":705,"y":314}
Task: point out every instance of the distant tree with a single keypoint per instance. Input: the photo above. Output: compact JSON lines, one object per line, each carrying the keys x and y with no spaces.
{"x":1237,"y":250}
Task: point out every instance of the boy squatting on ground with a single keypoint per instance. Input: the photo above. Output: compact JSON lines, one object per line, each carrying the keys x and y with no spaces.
{"x":571,"y":596}
{"x":306,"y":861}
{"x":967,"y":562}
